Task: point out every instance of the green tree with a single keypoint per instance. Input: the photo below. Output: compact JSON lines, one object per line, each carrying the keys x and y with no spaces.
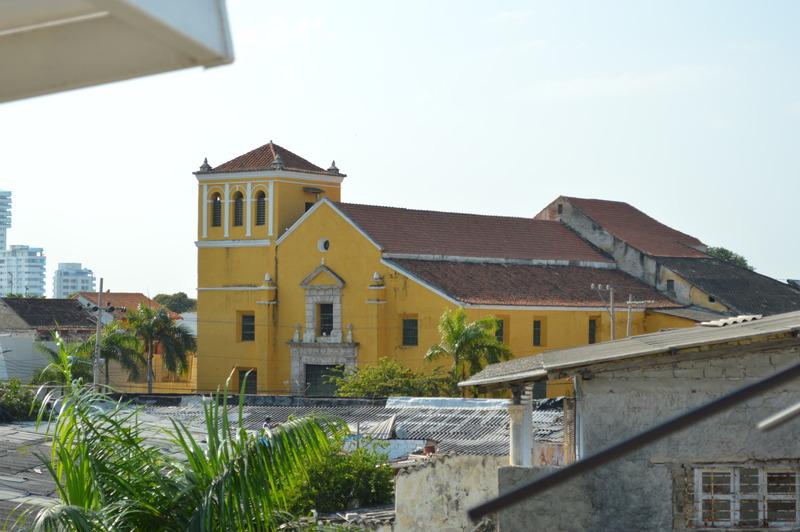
{"x":389,"y":378}
{"x":470,"y":345}
{"x":158,"y":331}
{"x":729,"y":256}
{"x":178,"y":302}
{"x":17,"y":402}
{"x":120,"y":344}
{"x":68,"y":361}
{"x":111,"y":474}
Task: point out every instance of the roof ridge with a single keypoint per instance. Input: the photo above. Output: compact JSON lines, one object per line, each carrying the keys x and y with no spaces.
{"x":524,"y":218}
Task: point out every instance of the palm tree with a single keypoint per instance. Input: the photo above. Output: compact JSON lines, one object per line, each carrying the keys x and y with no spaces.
{"x":471,"y":345}
{"x":157,"y":329}
{"x":112,"y":474}
{"x":118,"y":343}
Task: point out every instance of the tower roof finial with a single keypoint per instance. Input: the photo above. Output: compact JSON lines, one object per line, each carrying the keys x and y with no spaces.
{"x":277,"y":162}
{"x":205,"y":167}
{"x":333,"y":169}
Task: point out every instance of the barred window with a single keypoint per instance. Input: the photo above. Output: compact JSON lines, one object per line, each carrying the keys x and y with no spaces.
{"x":248,"y":328}
{"x":216,"y":210}
{"x":746,"y":496}
{"x":238,"y":209}
{"x":261,"y":208}
{"x":410,"y":331}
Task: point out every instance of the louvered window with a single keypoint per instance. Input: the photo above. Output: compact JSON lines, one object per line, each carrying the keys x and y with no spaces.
{"x":261,"y":208}
{"x":216,"y":210}
{"x":238,"y":209}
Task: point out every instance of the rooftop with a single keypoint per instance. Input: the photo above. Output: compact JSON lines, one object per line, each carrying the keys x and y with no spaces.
{"x":124,"y":301}
{"x":448,"y":234}
{"x":264,"y":158}
{"x":524,"y":284}
{"x":631,"y":225}
{"x":38,"y":312}
{"x":742,"y":290}
{"x":666,"y":343}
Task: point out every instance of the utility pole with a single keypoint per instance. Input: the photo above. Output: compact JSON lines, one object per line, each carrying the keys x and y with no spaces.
{"x":630,"y":304}
{"x":599,"y":288}
{"x":96,"y":360}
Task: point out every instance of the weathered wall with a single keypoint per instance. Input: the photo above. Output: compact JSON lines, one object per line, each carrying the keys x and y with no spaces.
{"x":567,"y":507}
{"x":646,"y":490}
{"x":437,"y":496}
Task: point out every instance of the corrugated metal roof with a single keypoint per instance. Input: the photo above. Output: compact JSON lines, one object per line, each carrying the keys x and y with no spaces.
{"x":536,"y":367}
{"x":697,"y":314}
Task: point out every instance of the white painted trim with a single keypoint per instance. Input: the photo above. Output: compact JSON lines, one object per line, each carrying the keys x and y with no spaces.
{"x":269,"y":174}
{"x":422,"y":283}
{"x":204,"y":231}
{"x":232,"y":243}
{"x":376,"y":301}
{"x":271,"y":199}
{"x":248,"y":205}
{"x":226,"y":210}
{"x":233,"y":289}
{"x":376,"y":287}
{"x":501,"y":260}
{"x":266,"y":302}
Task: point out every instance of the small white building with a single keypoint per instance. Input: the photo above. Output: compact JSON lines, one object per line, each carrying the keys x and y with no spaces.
{"x":5,"y":217}
{"x":70,"y":278}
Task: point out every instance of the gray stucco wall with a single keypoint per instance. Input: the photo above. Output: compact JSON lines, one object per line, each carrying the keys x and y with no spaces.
{"x":436,"y":496}
{"x":647,"y":489}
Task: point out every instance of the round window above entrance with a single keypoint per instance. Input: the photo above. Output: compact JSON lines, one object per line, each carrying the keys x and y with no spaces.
{"x":323,"y":244}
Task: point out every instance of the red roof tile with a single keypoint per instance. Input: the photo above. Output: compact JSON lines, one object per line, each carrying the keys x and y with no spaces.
{"x":469,"y":235}
{"x":523,"y":284}
{"x":129,"y":300}
{"x":631,"y":225}
{"x":262,"y":158}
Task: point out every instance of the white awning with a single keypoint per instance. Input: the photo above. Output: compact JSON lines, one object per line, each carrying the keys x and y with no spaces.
{"x":48,"y":46}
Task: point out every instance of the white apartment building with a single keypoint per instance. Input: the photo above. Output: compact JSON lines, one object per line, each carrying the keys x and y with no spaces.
{"x":5,"y":216}
{"x":69,"y":278}
{"x":21,"y":267}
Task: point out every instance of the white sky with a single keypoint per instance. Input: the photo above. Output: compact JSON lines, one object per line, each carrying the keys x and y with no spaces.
{"x":690,"y":111}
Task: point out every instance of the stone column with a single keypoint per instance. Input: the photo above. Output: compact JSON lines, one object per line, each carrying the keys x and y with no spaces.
{"x":520,"y":438}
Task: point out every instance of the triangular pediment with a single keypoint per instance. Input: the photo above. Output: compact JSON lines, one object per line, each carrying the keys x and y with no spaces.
{"x":322,"y":276}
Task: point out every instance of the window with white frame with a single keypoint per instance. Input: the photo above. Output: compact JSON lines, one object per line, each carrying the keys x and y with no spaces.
{"x":747,"y":496}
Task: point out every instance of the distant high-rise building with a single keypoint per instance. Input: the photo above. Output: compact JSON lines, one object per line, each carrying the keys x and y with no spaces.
{"x":21,"y":267}
{"x":22,"y":271}
{"x":5,"y":216}
{"x":70,"y":277}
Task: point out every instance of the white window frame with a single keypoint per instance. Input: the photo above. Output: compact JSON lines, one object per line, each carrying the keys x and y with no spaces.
{"x":762,"y":497}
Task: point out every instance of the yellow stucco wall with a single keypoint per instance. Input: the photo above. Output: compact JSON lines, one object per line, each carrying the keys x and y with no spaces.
{"x":237,"y":274}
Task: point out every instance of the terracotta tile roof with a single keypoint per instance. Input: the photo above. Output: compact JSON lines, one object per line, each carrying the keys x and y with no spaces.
{"x":631,"y":225}
{"x":742,"y":290}
{"x":262,"y":158}
{"x":50,"y":312}
{"x":128,"y":300}
{"x":522,"y":284}
{"x":469,"y":235}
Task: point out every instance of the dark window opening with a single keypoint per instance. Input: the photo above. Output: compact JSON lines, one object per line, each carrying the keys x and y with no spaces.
{"x":671,"y":286}
{"x":712,"y":299}
{"x":261,"y":208}
{"x":410,"y":331}
{"x":318,"y":379}
{"x":537,"y":332}
{"x":216,"y":211}
{"x":560,"y":208}
{"x":325,"y":319}
{"x":238,"y":209}
{"x":309,"y":204}
{"x":592,"y":330}
{"x":250,"y":384}
{"x":499,"y":331}
{"x":248,"y":327}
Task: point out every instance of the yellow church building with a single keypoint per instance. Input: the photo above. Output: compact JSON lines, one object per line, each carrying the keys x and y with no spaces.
{"x":293,"y":282}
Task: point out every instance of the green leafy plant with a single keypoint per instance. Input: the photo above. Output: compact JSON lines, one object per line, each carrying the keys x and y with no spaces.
{"x":344,"y":480}
{"x":178,"y":302}
{"x":112,"y":471}
{"x":389,"y":378}
{"x":17,"y":403}
{"x":729,"y":256}
{"x":470,"y":345}
{"x":68,"y":361}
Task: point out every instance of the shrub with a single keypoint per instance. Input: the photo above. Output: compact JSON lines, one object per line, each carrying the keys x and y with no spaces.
{"x":16,"y":402}
{"x":344,"y":480}
{"x":389,"y":378}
